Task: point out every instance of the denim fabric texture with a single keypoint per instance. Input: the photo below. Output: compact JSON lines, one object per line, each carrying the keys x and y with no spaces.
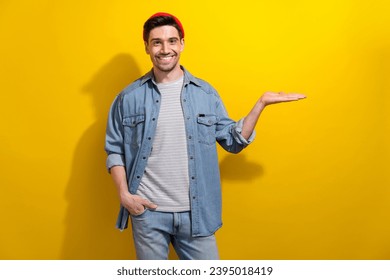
{"x":153,"y":231}
{"x":129,"y":138}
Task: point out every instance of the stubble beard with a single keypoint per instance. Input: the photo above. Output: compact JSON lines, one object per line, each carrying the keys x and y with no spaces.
{"x":166,"y":69}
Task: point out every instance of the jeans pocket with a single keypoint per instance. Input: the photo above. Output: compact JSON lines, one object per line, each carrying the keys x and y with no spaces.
{"x":140,"y":216}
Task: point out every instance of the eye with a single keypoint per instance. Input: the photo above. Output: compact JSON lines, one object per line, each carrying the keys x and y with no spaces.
{"x":156,"y":43}
{"x":172,"y":41}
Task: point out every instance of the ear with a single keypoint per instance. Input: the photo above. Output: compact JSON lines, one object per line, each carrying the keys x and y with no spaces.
{"x":182,"y":44}
{"x":146,"y":47}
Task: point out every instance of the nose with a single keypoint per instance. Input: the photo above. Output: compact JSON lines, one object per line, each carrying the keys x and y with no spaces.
{"x":165,"y":47}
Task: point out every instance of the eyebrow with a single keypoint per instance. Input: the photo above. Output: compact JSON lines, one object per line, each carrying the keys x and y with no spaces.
{"x":159,"y":39}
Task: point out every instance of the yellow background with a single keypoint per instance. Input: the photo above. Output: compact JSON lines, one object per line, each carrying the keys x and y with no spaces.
{"x":313,"y":185}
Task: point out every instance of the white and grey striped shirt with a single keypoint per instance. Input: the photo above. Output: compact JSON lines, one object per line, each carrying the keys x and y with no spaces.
{"x":165,"y":181}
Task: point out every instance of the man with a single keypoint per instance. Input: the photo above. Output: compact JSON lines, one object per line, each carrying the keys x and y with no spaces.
{"x":161,"y":142}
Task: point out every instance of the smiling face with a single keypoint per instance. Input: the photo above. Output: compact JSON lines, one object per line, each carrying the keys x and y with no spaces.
{"x":164,"y":47}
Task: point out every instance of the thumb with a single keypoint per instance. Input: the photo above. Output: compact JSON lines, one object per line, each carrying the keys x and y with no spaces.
{"x":149,"y":204}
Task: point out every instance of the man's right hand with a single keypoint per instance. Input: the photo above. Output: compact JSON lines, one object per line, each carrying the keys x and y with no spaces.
{"x":135,"y":204}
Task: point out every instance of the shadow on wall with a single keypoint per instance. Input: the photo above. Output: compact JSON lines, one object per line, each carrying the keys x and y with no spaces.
{"x":236,"y":167}
{"x":91,"y":195}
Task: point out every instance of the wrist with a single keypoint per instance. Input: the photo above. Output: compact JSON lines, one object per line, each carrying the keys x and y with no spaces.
{"x":124,"y":194}
{"x":261,"y":105}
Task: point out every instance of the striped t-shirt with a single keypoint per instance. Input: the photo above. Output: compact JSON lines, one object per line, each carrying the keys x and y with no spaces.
{"x":165,"y":181}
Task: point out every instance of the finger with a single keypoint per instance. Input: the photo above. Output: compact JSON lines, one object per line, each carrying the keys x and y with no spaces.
{"x":297,"y":94}
{"x":297,"y":97}
{"x":293,"y":96}
{"x":286,"y":99}
{"x":138,"y":210}
{"x":149,"y":204}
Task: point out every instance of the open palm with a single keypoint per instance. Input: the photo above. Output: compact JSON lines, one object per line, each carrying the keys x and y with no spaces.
{"x":273,"y":97}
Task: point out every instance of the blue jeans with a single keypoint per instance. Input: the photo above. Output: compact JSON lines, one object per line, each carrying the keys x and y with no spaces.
{"x":153,"y":231}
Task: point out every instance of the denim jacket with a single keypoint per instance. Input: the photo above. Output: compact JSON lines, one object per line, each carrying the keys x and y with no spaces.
{"x":129,"y":137}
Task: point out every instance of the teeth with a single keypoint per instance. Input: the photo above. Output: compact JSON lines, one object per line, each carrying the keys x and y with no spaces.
{"x":166,"y":57}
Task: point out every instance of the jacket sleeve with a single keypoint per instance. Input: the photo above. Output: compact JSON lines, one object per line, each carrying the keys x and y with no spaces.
{"x":114,"y":144}
{"x":228,"y":132}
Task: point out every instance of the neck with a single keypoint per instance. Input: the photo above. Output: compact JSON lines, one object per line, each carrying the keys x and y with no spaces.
{"x":167,"y":76}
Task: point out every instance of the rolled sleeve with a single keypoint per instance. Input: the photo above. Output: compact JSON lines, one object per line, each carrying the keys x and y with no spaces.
{"x":114,"y":136}
{"x":114,"y":160}
{"x":237,"y":133}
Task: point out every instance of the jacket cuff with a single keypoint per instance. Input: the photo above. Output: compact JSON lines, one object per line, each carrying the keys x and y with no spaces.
{"x":238,"y":130}
{"x":114,"y":160}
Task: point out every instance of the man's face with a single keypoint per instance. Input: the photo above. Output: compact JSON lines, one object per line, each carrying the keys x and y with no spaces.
{"x":164,"y":47}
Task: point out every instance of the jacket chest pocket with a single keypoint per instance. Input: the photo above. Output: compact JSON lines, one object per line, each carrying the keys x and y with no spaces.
{"x":134,"y":127}
{"x":206,"y":129}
